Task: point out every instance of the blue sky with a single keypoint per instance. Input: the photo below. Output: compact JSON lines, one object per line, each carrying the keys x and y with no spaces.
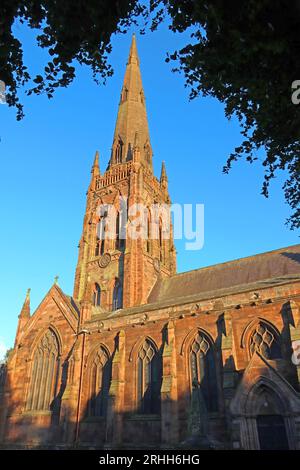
{"x":46,"y":160}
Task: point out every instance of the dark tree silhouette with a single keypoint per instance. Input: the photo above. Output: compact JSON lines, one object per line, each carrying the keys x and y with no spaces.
{"x":243,"y":52}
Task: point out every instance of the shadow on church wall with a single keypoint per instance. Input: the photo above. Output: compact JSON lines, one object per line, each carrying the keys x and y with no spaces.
{"x":185,"y":423}
{"x":39,"y":430}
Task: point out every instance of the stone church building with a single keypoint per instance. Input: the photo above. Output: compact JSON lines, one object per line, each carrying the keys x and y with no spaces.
{"x":142,"y":357}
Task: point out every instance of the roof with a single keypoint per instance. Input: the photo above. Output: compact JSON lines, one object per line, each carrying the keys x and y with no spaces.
{"x":282,"y":263}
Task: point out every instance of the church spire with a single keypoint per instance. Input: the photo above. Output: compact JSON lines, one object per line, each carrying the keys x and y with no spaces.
{"x":25,"y":312}
{"x":23,"y":318}
{"x":95,"y":168}
{"x":132,"y":115}
{"x":95,"y":172}
{"x":163,"y":178}
{"x":163,"y":174}
{"x":133,"y":54}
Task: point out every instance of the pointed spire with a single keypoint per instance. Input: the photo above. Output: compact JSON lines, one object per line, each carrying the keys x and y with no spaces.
{"x":95,"y":172}
{"x":163,"y":174}
{"x":132,"y":115}
{"x":133,"y":54}
{"x":25,"y":312}
{"x":95,"y":168}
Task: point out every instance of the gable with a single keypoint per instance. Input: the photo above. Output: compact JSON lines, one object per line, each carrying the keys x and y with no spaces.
{"x":55,"y":310}
{"x":260,"y":372}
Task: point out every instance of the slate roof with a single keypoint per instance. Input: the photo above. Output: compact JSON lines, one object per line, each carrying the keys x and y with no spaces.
{"x":282,"y":264}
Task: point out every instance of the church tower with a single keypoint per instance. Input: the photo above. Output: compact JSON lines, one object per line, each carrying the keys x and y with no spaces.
{"x":127,"y":239}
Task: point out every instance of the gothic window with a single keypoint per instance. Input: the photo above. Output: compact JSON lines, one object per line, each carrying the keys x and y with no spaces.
{"x":44,"y":375}
{"x":148,"y":230}
{"x":99,"y":247}
{"x":99,"y":383}
{"x":100,"y":241}
{"x":149,"y":379}
{"x":147,"y":150}
{"x":118,"y":231}
{"x":119,"y":151}
{"x":203,"y":371}
{"x":265,"y":340}
{"x":117,"y":295}
{"x":160,"y":241}
{"x":97,"y":295}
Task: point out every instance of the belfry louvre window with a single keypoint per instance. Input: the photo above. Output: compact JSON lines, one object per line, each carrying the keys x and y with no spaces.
{"x":99,"y":383}
{"x":117,"y":295}
{"x":203,"y":371}
{"x":44,"y":375}
{"x":265,"y":340}
{"x":119,"y":152}
{"x":117,"y":243}
{"x":97,"y":295}
{"x":99,"y":250}
{"x":148,"y":228}
{"x":149,"y":379}
{"x":161,"y":248}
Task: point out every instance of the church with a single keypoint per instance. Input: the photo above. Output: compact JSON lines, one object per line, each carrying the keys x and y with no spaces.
{"x":141,"y":356}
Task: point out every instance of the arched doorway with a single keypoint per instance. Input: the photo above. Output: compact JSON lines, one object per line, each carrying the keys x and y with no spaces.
{"x":270,"y":422}
{"x":264,"y":409}
{"x":271,"y":432}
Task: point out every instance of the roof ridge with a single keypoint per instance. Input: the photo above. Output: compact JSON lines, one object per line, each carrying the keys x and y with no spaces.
{"x":265,"y":253}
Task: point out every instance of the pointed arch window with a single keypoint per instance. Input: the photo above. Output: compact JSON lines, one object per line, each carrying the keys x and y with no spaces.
{"x":99,"y":383}
{"x":44,"y":375}
{"x":119,"y":152}
{"x":100,"y":240}
{"x":148,"y":230}
{"x":266,"y":341}
{"x":97,"y":295}
{"x":149,"y":373}
{"x":160,"y":232}
{"x":117,"y":295}
{"x":118,"y":231}
{"x":203,"y":370}
{"x":147,"y":151}
{"x":99,"y":250}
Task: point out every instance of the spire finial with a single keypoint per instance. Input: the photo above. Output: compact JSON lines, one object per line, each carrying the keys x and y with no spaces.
{"x":95,"y":172}
{"x":133,"y":54}
{"x":56,"y":280}
{"x":25,"y":312}
{"x":163,"y":174}
{"x":95,"y":167}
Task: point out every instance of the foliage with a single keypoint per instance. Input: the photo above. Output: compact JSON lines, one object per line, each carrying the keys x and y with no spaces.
{"x":243,"y":52}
